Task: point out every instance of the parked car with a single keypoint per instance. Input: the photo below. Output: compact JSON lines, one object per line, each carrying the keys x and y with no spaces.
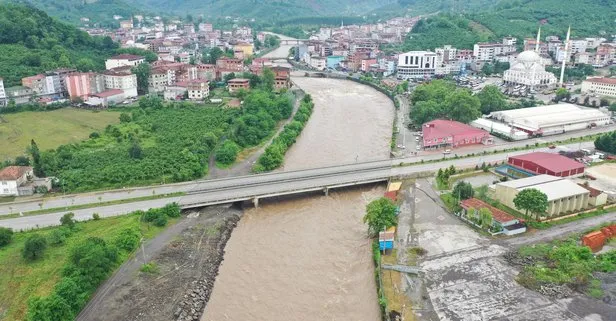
{"x":551,"y":146}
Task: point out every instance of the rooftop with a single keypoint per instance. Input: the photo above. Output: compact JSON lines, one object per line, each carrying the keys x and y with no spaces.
{"x":559,"y":189}
{"x":498,"y":215}
{"x":607,"y":81}
{"x":530,"y":181}
{"x":238,"y":80}
{"x":108,"y":93}
{"x":12,"y":173}
{"x":126,"y":57}
{"x":554,"y":162}
{"x":444,"y":128}
{"x":593,"y":191}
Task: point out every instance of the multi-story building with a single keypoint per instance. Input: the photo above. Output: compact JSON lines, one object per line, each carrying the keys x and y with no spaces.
{"x":160,"y":77}
{"x":488,"y":51}
{"x":600,"y":86}
{"x":198,"y":89}
{"x":446,"y":54}
{"x":230,"y":64}
{"x":282,"y":77}
{"x":578,"y":45}
{"x":123,"y":61}
{"x":318,"y":63}
{"x":83,"y":84}
{"x":416,"y":65}
{"x":206,"y":71}
{"x":126,"y":24}
{"x":206,"y":27}
{"x":530,"y":44}
{"x":121,"y":79}
{"x":244,"y":47}
{"x":237,"y":84}
{"x":3,"y":101}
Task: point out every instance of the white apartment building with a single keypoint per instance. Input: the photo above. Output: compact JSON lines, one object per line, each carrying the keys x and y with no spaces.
{"x":447,"y":53}
{"x":578,"y":45}
{"x":600,"y":86}
{"x":198,"y":89}
{"x":2,"y":94}
{"x":123,"y":80}
{"x":417,"y":65}
{"x":319,"y":63}
{"x":487,"y":51}
{"x":123,"y":61}
{"x":160,"y":78}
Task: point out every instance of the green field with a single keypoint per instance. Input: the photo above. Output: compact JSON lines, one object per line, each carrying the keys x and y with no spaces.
{"x":49,"y":129}
{"x":20,"y":280}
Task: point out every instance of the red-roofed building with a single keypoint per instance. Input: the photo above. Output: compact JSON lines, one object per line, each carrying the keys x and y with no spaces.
{"x":600,"y":86}
{"x":547,"y":163}
{"x":11,"y":177}
{"x":237,"y":84}
{"x":442,"y":133}
{"x":506,"y":221}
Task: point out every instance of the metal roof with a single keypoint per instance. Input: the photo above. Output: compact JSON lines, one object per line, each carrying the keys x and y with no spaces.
{"x":559,"y":189}
{"x":530,"y":181}
{"x":550,"y":161}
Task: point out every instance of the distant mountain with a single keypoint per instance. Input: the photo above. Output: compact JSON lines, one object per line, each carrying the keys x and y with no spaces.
{"x":98,"y":11}
{"x":263,"y":9}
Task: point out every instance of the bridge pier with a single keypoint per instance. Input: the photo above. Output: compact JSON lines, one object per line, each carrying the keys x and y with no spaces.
{"x":326,"y":191}
{"x":255,"y":201}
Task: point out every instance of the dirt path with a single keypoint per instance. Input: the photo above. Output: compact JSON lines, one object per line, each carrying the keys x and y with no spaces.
{"x":245,"y":166}
{"x":187,"y":256}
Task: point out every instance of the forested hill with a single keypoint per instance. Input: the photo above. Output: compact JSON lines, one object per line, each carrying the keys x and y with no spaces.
{"x":264,"y":9}
{"x":98,"y":11}
{"x":519,"y":18}
{"x":32,"y":42}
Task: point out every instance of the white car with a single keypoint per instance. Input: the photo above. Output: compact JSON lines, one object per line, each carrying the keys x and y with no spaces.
{"x":418,"y":147}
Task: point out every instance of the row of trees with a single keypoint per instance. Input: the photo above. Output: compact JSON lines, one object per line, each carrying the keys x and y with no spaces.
{"x":606,"y":142}
{"x":273,"y":157}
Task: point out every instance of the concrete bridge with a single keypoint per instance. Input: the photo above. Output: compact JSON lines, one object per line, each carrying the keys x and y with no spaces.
{"x":292,"y":41}
{"x":256,"y":187}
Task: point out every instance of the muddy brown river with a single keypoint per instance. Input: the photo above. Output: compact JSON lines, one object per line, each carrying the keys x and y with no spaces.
{"x":308,"y":257}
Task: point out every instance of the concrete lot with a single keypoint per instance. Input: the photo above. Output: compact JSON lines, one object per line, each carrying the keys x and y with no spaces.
{"x":606,"y":177}
{"x":467,"y":278}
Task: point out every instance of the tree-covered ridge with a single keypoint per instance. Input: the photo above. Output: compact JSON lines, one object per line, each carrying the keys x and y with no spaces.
{"x":32,"y":42}
{"x":518,"y":18}
{"x":98,"y":11}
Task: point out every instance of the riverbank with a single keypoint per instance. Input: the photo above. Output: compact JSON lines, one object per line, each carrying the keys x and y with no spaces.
{"x":184,"y":263}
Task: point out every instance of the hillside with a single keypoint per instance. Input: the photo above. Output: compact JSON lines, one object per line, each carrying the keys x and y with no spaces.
{"x":263,"y":9}
{"x":32,"y":42}
{"x":98,"y":11}
{"x":519,"y":18}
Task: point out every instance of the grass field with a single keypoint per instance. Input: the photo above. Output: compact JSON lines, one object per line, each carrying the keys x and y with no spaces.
{"x":49,"y":129}
{"x":20,"y":281}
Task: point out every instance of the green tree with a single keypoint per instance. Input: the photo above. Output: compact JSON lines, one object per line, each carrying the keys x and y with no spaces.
{"x":6,"y":235}
{"x":91,"y":261}
{"x":135,"y":151}
{"x":228,"y":77}
{"x":142,"y":71}
{"x":463,"y":107}
{"x":227,"y":152}
{"x":36,"y":159}
{"x":67,"y":220}
{"x":425,"y":111}
{"x":22,"y":161}
{"x":613,"y":71}
{"x":34,"y":247}
{"x":210,"y":56}
{"x":482,"y":192}
{"x":380,"y":215}
{"x":485,"y":216}
{"x":268,"y":79}
{"x":128,"y":239}
{"x":531,"y":200}
{"x":463,"y":190}
{"x":491,"y":99}
{"x":125,"y":118}
{"x":561,"y":94}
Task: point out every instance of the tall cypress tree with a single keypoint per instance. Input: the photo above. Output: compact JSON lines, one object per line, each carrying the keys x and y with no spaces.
{"x":36,"y":159}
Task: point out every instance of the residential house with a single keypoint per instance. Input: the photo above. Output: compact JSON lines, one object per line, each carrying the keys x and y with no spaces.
{"x":282,"y":77}
{"x":596,"y":197}
{"x":318,"y":63}
{"x":237,"y":84}
{"x":13,"y":177}
{"x":176,"y":91}
{"x":206,"y":71}
{"x":123,"y":79}
{"x":198,"y":89}
{"x":123,"y":60}
{"x":83,"y":84}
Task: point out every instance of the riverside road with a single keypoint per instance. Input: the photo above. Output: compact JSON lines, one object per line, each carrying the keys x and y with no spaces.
{"x":204,"y":192}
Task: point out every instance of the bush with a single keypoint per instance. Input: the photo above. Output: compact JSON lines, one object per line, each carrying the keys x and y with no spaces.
{"x":6,"y":236}
{"x":96,"y":216}
{"x":95,"y":135}
{"x":68,"y":220}
{"x":59,"y":236}
{"x":172,"y":210}
{"x":150,"y":268}
{"x":34,"y":248}
{"x":160,"y":220}
{"x":227,"y":153}
{"x":128,"y":240}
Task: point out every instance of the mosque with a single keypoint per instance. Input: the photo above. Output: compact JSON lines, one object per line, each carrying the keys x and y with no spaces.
{"x":529,"y":71}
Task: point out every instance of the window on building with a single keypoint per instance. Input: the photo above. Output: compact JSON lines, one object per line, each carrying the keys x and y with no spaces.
{"x":5,"y":183}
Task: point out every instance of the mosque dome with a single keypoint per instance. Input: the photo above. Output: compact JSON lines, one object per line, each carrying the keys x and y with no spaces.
{"x":529,"y":57}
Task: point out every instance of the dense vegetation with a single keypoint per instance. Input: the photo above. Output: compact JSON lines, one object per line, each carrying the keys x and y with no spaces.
{"x":154,"y":143}
{"x":565,"y":263}
{"x":76,"y":258}
{"x":273,"y":157}
{"x":518,"y":18}
{"x":607,"y":142}
{"x":31,"y":42}
{"x":441,"y":99}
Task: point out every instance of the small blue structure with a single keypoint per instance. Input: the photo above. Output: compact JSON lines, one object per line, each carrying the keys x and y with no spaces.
{"x":513,"y":172}
{"x":386,"y":239}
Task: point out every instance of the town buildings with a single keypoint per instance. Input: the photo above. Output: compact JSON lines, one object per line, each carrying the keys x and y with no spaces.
{"x":451,"y":134}
{"x":547,"y":163}
{"x":83,"y":84}
{"x":489,"y":51}
{"x":282,"y":77}
{"x":106,"y":98}
{"x":600,"y":86}
{"x":124,"y":60}
{"x":121,"y":79}
{"x":564,"y":196}
{"x":12,"y":177}
{"x":198,"y":89}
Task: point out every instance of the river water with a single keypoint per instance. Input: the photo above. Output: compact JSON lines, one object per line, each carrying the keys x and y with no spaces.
{"x":308,"y":257}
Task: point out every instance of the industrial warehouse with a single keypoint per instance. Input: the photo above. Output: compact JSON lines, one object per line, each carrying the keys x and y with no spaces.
{"x":542,"y":121}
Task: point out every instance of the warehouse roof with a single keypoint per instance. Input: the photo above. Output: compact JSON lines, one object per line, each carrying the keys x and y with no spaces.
{"x":530,"y":181}
{"x":541,"y":110}
{"x":559,"y":189}
{"x":553,"y":162}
